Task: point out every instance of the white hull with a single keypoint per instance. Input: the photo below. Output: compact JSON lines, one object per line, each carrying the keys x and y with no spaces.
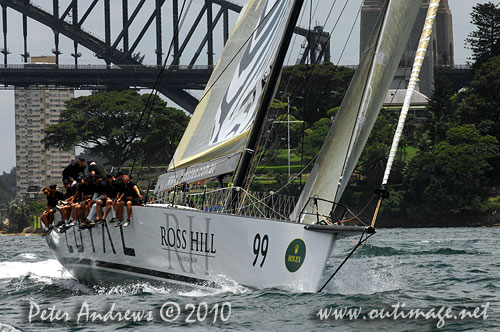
{"x":193,"y":247}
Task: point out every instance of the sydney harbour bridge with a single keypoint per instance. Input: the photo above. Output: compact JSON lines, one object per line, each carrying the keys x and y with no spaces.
{"x":124,"y":25}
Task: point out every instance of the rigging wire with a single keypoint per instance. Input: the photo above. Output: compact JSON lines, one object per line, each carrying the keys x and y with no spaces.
{"x":309,"y":74}
{"x":286,"y":87}
{"x":390,"y":103}
{"x":317,"y":42}
{"x":287,"y":61}
{"x":290,"y":53}
{"x":209,"y":88}
{"x":310,"y":14}
{"x":368,"y":230}
{"x":314,"y":65}
{"x":345,"y":45}
{"x":294,"y":68}
{"x":185,"y":15}
{"x":315,"y":9}
{"x":150,"y":102}
{"x":309,"y":27}
{"x":293,"y":45}
{"x":297,"y":175}
{"x":288,"y":83}
{"x":349,"y":36}
{"x":357,"y":215}
{"x":238,"y":52}
{"x":338,"y":62}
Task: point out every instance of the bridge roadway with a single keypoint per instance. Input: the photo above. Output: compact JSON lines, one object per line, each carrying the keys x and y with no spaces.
{"x":175,"y":78}
{"x":460,"y":76}
{"x":103,"y":77}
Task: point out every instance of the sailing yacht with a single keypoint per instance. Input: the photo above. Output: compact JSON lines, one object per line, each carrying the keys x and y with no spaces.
{"x":230,"y":233}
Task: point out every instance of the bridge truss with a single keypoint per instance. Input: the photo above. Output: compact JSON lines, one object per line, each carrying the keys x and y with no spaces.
{"x":123,"y":65}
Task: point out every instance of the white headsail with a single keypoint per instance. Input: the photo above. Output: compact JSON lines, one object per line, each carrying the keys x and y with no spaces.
{"x":216,"y":134}
{"x":360,"y":107}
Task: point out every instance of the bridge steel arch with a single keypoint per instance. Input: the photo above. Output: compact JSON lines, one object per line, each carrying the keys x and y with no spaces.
{"x":107,"y":49}
{"x":119,"y":53}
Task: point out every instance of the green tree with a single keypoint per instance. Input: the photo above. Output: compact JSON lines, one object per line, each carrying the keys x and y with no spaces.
{"x":373,"y":160}
{"x":7,"y":187}
{"x":18,"y":213}
{"x":5,"y":198}
{"x":485,"y":40}
{"x":450,"y":178}
{"x":112,"y":125}
{"x":313,"y":90}
{"x":280,"y":183}
{"x":480,"y":104}
{"x":440,"y":111}
{"x":315,"y":136}
{"x":384,"y":127}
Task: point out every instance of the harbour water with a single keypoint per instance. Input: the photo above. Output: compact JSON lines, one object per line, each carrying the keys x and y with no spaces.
{"x":452,"y":275}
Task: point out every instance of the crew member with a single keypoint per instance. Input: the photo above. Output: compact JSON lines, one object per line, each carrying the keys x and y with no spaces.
{"x":111,"y":192}
{"x":65,"y":205}
{"x":53,"y":197}
{"x":85,"y":192}
{"x":129,"y":195}
{"x":99,"y":197}
{"x":74,"y":168}
{"x":95,"y":169}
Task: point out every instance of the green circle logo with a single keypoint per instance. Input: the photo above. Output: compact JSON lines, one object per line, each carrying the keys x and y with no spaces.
{"x":295,"y":255}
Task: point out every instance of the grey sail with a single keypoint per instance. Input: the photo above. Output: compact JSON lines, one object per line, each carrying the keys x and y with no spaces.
{"x":220,"y":125}
{"x":359,"y":109}
{"x":197,"y":172}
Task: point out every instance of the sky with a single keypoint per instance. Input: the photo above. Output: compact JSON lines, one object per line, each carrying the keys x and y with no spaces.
{"x":40,"y":42}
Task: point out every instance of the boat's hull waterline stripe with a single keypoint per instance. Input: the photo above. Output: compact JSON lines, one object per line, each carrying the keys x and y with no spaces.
{"x":140,"y":270}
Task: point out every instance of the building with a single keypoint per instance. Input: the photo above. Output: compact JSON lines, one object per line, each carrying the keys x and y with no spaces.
{"x":35,"y":110}
{"x":444,"y":43}
{"x":418,"y":105}
{"x":440,"y":50}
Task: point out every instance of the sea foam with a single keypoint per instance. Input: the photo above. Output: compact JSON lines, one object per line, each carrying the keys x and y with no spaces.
{"x":42,"y":270}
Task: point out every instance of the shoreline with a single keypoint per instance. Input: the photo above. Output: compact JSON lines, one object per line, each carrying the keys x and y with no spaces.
{"x":20,"y":234}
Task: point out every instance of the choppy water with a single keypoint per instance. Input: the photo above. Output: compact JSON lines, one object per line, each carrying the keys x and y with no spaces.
{"x":418,"y":268}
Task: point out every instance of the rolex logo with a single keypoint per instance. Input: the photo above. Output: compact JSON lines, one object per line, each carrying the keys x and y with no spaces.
{"x":295,"y":255}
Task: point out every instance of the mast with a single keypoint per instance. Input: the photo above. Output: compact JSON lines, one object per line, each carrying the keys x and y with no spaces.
{"x":243,"y":170}
{"x":218,"y":132}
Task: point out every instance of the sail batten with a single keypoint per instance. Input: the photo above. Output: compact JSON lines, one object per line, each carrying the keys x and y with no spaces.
{"x":360,"y":107}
